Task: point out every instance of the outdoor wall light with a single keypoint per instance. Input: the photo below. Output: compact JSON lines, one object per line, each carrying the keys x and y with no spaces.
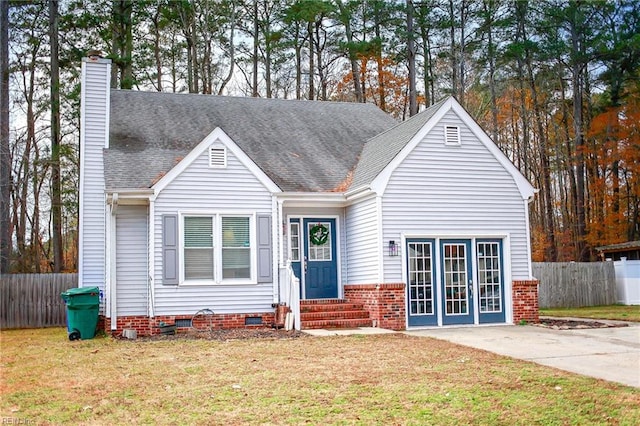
{"x":393,"y":248}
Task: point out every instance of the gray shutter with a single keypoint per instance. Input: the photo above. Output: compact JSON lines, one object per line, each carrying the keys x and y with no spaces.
{"x":265,"y":249}
{"x":170,"y":249}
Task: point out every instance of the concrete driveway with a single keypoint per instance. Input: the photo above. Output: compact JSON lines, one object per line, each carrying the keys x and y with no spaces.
{"x":605,"y":353}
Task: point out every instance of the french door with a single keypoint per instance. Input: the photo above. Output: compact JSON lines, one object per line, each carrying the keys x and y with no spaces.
{"x":456,"y":282}
{"x":446,"y":286}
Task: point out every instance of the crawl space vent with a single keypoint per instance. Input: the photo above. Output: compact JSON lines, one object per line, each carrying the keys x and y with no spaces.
{"x":183,"y":323}
{"x":253,"y":321}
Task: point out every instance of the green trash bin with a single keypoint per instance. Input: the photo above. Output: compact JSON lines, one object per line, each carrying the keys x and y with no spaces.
{"x":83,"y":306}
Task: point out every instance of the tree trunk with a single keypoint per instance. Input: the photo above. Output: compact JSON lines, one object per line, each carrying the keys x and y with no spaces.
{"x":577,"y":86}
{"x":298,"y":49}
{"x":321,"y":70}
{"x":452,"y":48}
{"x":256,"y":41}
{"x":5,"y":151}
{"x":491,"y":59}
{"x":382,"y":91}
{"x":312,"y":93}
{"x":232,"y":58}
{"x":56,"y":200}
{"x":411,"y":58}
{"x":351,"y":51}
{"x":156,"y":48}
{"x":122,"y":44}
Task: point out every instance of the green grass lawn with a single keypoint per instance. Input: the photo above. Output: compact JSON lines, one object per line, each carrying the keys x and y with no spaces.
{"x":384,"y":379}
{"x":612,"y":312}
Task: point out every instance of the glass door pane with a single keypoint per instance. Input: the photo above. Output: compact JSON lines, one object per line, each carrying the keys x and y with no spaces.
{"x":420,"y":287}
{"x":455,"y":279}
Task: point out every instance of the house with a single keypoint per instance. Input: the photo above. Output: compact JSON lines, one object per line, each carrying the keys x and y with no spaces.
{"x":243,"y":205}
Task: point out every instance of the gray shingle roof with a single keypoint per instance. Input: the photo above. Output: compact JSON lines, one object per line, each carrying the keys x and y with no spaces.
{"x":300,"y":145}
{"x":382,"y":149}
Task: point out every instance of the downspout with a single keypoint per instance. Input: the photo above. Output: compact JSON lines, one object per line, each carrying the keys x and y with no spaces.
{"x":526,"y":218}
{"x":151,"y":256}
{"x":112,"y":296}
{"x":380,"y":239}
{"x":107,"y":260}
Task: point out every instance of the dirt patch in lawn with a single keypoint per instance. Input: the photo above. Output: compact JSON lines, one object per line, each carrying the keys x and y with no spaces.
{"x":230,"y":334}
{"x":571,"y":324}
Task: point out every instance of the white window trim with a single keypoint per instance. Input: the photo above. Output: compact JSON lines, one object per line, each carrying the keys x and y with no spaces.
{"x":217,"y":249}
{"x":449,"y":138}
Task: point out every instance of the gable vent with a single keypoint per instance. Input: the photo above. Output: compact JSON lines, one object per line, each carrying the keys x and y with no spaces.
{"x":452,"y":135}
{"x":218,"y":157}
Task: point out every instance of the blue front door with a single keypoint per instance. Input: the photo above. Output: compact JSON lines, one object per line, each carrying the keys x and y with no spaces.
{"x":456,"y":282}
{"x":320,"y":262}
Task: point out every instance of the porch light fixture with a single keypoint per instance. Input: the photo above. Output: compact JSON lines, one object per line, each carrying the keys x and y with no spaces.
{"x":393,"y":248}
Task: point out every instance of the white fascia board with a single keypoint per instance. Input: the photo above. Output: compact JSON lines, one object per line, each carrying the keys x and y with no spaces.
{"x":526,"y":189}
{"x":358,"y":193}
{"x":130,"y":196}
{"x":379,"y":184}
{"x":312,"y":199}
{"x":216,"y":135}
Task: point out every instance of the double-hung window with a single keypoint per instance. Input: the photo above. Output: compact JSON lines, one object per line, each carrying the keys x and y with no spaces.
{"x":198,"y":248}
{"x":218,"y":248}
{"x":236,"y":248}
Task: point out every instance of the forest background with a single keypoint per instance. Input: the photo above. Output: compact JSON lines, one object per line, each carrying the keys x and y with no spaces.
{"x":555,"y":83}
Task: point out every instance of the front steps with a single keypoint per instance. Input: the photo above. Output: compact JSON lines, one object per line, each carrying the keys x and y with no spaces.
{"x":332,"y":313}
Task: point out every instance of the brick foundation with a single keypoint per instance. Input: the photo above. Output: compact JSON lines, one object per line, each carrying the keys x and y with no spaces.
{"x":146,"y":326}
{"x":525,"y":301}
{"x":384,"y":302}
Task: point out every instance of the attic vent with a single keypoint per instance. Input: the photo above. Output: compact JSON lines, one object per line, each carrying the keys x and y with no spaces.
{"x":217,"y":157}
{"x":451,"y":135}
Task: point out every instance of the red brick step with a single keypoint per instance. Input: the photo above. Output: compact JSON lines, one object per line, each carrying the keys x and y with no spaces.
{"x":333,"y":313}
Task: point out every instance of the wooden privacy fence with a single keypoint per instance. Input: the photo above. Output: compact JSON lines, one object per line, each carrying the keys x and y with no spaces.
{"x":575,"y":284}
{"x":33,"y":300}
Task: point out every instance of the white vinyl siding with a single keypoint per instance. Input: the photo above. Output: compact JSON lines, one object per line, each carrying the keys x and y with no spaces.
{"x":442,"y":190}
{"x":363,"y":242}
{"x":203,"y":190}
{"x":93,"y":139}
{"x":132,"y":289}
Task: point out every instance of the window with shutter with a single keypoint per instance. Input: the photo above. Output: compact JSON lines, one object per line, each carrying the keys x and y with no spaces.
{"x":221,"y":248}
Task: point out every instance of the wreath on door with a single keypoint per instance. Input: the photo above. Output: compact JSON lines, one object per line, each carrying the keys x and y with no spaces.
{"x":319,"y":234}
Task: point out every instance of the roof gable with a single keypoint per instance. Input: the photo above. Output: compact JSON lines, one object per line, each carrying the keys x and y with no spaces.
{"x":385,"y":152}
{"x":218,"y":135}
